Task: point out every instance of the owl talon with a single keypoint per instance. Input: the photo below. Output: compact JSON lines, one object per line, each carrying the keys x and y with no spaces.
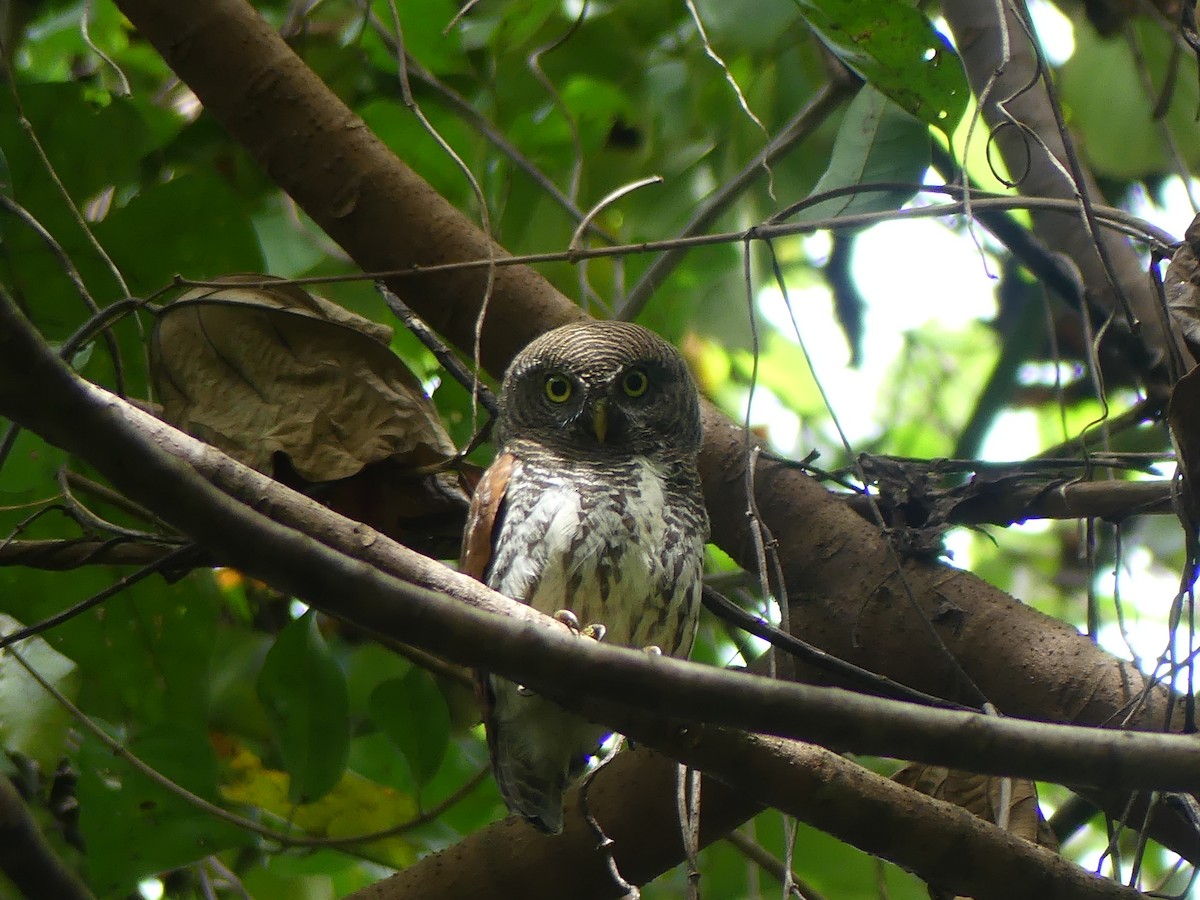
{"x":595,"y":631}
{"x":569,"y":619}
{"x":652,"y":650}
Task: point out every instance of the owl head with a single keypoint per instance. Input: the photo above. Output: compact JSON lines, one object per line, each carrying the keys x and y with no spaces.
{"x":601,"y":389}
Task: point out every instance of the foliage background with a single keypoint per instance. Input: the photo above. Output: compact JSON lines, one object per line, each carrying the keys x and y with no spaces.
{"x":214,"y":680}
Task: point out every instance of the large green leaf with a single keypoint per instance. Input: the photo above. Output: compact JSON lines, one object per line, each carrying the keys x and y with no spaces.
{"x":894,"y":47}
{"x":304,"y":690}
{"x":133,"y":827}
{"x":413,"y":714}
{"x":1109,"y":107}
{"x":143,"y":655}
{"x":877,"y":141}
{"x":32,"y":722}
{"x":196,"y":225}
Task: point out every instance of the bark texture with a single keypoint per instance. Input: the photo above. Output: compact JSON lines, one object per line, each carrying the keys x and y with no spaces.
{"x":1019,"y":116}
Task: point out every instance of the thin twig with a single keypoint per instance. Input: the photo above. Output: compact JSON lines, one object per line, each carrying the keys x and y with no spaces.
{"x":435,"y":345}
{"x":803,"y":124}
{"x":1117,"y":219}
{"x":485,"y":222}
{"x":603,"y":842}
{"x":180,"y":556}
{"x":759,"y":855}
{"x":863,"y":679}
{"x":604,"y":202}
{"x":460,"y":105}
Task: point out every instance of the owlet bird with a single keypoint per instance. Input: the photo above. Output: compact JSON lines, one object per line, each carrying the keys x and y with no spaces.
{"x":593,"y":507}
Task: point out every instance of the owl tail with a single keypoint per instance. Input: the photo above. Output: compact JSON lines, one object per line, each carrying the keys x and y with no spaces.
{"x":537,"y":751}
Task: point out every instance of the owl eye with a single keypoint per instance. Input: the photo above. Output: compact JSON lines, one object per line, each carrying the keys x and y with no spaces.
{"x":558,"y":389}
{"x":635,"y":383}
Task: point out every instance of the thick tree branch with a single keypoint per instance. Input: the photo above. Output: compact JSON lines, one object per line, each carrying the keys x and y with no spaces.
{"x":347,"y":569}
{"x":248,"y":520}
{"x":964,"y":854}
{"x":1010,"y":92}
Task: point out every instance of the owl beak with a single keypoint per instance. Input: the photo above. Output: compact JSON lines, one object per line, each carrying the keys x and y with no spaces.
{"x":600,"y":419}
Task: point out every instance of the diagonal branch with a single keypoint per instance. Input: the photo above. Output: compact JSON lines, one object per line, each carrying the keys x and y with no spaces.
{"x":272,"y":532}
{"x":848,"y":598}
{"x":348,"y":570}
{"x":25,"y":856}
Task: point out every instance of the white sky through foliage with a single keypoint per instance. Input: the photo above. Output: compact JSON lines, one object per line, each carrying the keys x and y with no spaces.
{"x":914,"y":273}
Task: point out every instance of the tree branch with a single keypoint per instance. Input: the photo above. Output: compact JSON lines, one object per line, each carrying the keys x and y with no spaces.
{"x":848,"y":596}
{"x":960,"y":852}
{"x":1039,"y":158}
{"x":272,"y":532}
{"x":26,"y":858}
{"x":348,"y":570}
{"x":1008,"y":500}
{"x":75,"y":552}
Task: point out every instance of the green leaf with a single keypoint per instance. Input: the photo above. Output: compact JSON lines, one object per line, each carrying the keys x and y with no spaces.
{"x":33,"y":724}
{"x":143,"y":655}
{"x":27,"y":480}
{"x":196,"y":225}
{"x":133,"y":827}
{"x":425,"y":34}
{"x":895,"y":48}
{"x":304,"y":690}
{"x":367,"y":667}
{"x":412,"y":712}
{"x":1108,"y":107}
{"x":877,"y":141}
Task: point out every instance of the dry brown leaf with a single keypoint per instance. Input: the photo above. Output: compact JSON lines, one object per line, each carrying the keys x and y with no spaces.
{"x":1183,"y":417}
{"x":304,"y":390}
{"x":257,"y":371}
{"x":1182,"y":285}
{"x":980,"y":795}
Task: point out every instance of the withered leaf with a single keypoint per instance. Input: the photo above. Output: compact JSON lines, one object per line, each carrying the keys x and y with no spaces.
{"x":258,"y":371}
{"x":310,"y":393}
{"x":1183,"y":417}
{"x":1182,"y":285}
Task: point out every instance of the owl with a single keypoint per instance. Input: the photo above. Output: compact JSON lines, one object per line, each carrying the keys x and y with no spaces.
{"x":592,"y":512}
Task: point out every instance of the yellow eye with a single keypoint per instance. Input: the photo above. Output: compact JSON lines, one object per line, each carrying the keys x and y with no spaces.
{"x":635,"y":383}
{"x":558,"y":389}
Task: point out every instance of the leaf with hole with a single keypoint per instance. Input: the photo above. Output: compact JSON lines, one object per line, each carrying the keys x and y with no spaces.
{"x":896,"y":49}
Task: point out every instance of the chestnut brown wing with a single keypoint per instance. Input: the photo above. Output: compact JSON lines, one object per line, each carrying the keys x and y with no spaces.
{"x":483,"y":524}
{"x":483,"y":519}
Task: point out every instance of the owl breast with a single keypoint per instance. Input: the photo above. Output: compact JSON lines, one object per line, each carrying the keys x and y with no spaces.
{"x":610,"y":546}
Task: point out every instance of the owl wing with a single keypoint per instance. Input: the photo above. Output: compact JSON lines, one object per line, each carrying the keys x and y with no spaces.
{"x":484,"y":518}
{"x":483,"y":524}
